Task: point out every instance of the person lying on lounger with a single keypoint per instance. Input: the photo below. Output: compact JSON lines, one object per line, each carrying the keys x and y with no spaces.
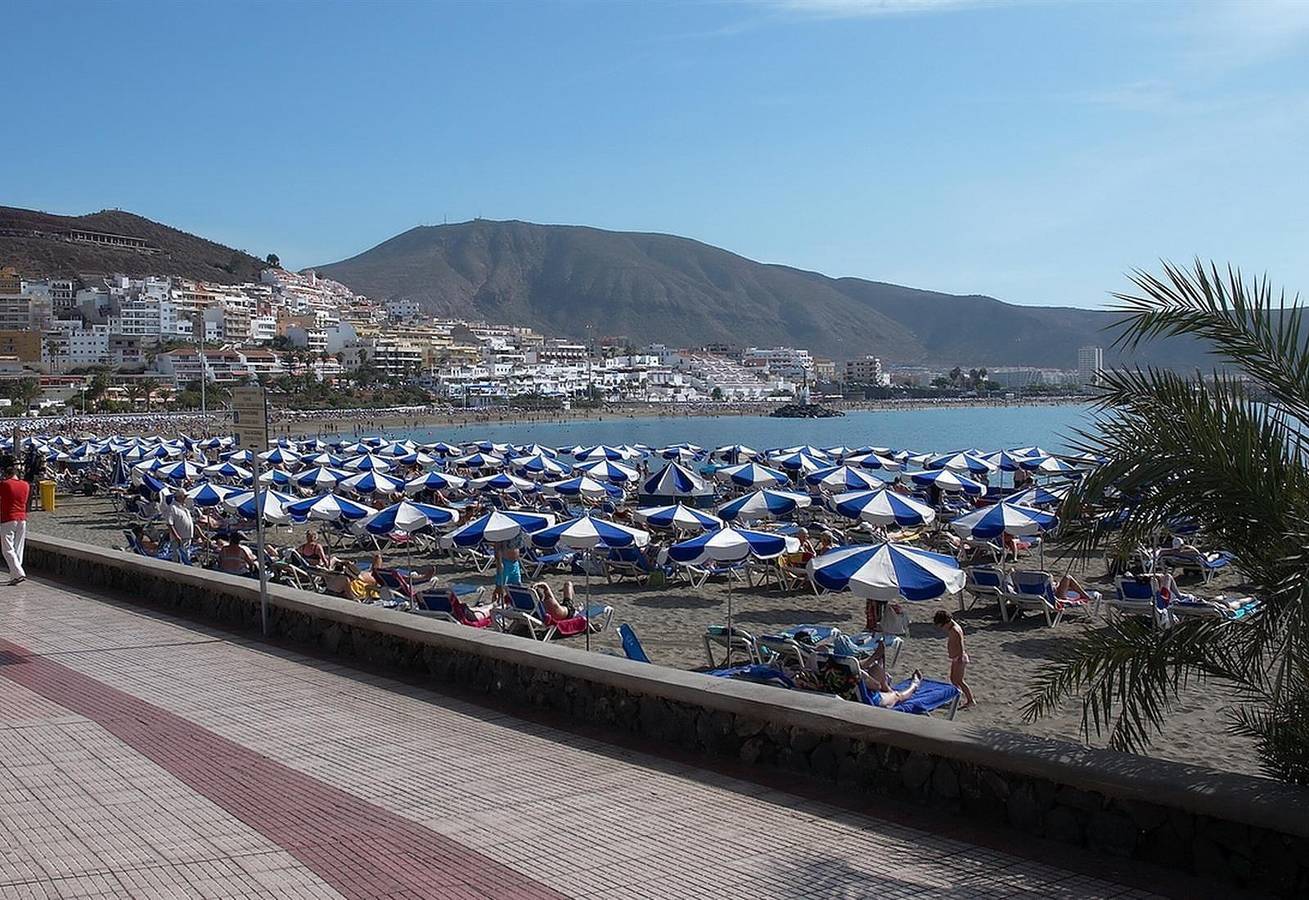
{"x":1070,"y":590}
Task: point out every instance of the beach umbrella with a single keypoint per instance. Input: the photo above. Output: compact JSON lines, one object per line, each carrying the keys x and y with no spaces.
{"x":434,"y":481}
{"x":498,"y":526}
{"x":993,"y":521}
{"x":583,"y":486}
{"x":272,"y":503}
{"x":240,"y":457}
{"x":679,"y":453}
{"x":947,"y":480}
{"x":960,"y":462}
{"x":752,"y":475}
{"x":500,"y":450}
{"x":1050,"y":465}
{"x":808,"y":450}
{"x":118,"y":475}
{"x":764,"y":503}
{"x":678,"y":518}
{"x":151,"y":484}
{"x":843,"y":478}
{"x":600,"y":451}
{"x":535,"y":449}
{"x":883,"y":507}
{"x":214,"y":443}
{"x":728,"y":545}
{"x":587,"y":534}
{"x":539,"y":464}
{"x":206,"y":494}
{"x":356,"y":449}
{"x":675,"y":480}
{"x":397,"y":449}
{"x":321,"y":477}
{"x":804,"y":463}
{"x":607,"y":470}
{"x":279,"y":477}
{"x":228,"y":470}
{"x":371,"y":483}
{"x":478,"y":461}
{"x":1028,"y":451}
{"x":1038,"y":496}
{"x":417,"y":458}
{"x":280,"y":456}
{"x":182,"y":470}
{"x":367,"y":462}
{"x":1004,"y":460}
{"x":329,"y":508}
{"x":874,"y":461}
{"x":407,"y":517}
{"x":888,"y":571}
{"x":735,"y":454}
{"x":502,"y":482}
{"x":442,"y":449}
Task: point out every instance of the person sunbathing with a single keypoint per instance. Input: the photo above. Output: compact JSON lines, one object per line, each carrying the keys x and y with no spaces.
{"x":1070,"y":590}
{"x":556,"y":610}
{"x":235,"y":558}
{"x":313,"y":552}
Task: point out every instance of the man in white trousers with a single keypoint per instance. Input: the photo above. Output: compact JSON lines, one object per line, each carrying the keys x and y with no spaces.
{"x":13,"y":520}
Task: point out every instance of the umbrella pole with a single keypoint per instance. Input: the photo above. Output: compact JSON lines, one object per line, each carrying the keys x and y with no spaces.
{"x":730,"y":637}
{"x":587,"y":612}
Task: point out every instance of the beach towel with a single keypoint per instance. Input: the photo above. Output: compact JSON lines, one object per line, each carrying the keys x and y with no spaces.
{"x":929,"y":696}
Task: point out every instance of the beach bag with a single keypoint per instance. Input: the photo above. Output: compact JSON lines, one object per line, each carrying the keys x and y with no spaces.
{"x":657,"y":579}
{"x":895,"y":620}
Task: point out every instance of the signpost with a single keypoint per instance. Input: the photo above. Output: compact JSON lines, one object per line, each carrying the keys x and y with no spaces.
{"x":250,"y":423}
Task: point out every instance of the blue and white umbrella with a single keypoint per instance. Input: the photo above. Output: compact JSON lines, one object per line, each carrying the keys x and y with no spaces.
{"x":590,"y":533}
{"x":279,"y":477}
{"x":280,"y":456}
{"x":322,"y":477}
{"x":240,"y":457}
{"x":537,"y":450}
{"x":679,"y":453}
{"x":947,"y":480}
{"x":817,"y":453}
{"x":992,"y":521}
{"x":803,"y":463}
{"x":371,"y":483}
{"x":502,"y":482}
{"x":498,"y":449}
{"x":883,"y":507}
{"x":1038,"y":496}
{"x":367,"y":462}
{"x":960,"y":462}
{"x":478,"y":461}
{"x":407,"y":517}
{"x":539,"y":464}
{"x":610,"y":471}
{"x":206,"y":495}
{"x":228,"y":470}
{"x":1004,"y":460}
{"x":752,"y":475}
{"x":583,"y":486}
{"x":329,"y":508}
{"x":843,"y":478}
{"x":602,"y":451}
{"x":1029,"y":451}
{"x":675,"y":480}
{"x":497,"y":526}
{"x":417,"y":458}
{"x":1049,"y":465}
{"x":735,"y":454}
{"x":763,"y":504}
{"x":678,"y":518}
{"x":729,"y":545}
{"x":182,"y":470}
{"x":888,"y":571}
{"x":272,"y":503}
{"x":442,"y":449}
{"x":434,"y":481}
{"x":397,"y":449}
{"x":874,"y":461}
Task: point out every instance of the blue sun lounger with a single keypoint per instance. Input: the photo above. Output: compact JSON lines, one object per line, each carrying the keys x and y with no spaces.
{"x":930,"y":696}
{"x":632,"y":644}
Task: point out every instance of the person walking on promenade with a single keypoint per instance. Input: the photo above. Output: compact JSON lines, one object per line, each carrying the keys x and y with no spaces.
{"x":13,"y":520}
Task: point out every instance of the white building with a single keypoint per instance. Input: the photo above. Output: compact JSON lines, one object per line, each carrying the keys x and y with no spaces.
{"x":1090,"y":363}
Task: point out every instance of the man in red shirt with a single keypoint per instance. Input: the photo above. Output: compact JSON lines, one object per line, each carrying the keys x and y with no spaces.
{"x":13,"y":520}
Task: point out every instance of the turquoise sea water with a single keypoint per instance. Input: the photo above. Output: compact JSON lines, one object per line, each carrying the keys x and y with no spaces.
{"x":988,"y":428}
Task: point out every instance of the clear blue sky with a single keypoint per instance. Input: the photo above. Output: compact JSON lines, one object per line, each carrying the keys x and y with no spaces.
{"x":1034,"y":151}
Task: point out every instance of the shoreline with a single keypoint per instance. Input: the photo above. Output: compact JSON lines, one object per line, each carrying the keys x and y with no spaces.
{"x":325,"y":422}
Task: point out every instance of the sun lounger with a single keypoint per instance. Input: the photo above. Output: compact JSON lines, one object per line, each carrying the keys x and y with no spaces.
{"x":703,"y":572}
{"x":984,"y":581}
{"x":449,"y":605}
{"x":626,"y":562}
{"x":757,"y":673}
{"x":1206,"y":565}
{"x":1233,"y":609}
{"x":1034,"y":591}
{"x":632,"y":644}
{"x":526,"y":610}
{"x":930,"y":696}
{"x":741,"y":640}
{"x":540,"y":563}
{"x":796,"y":647}
{"x":1135,"y":597}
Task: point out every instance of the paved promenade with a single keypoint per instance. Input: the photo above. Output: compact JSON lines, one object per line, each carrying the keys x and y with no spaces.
{"x":145,"y":757}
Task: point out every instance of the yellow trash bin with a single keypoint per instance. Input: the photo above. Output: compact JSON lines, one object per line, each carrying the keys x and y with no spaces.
{"x":48,"y":496}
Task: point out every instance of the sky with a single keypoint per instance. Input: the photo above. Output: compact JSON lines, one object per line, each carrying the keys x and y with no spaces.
{"x":1032,"y":150}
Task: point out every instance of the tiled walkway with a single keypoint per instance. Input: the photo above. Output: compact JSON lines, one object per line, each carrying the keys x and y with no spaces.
{"x":143,"y":757}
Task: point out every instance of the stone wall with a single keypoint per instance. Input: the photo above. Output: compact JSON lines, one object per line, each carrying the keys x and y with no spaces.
{"x":1247,"y":831}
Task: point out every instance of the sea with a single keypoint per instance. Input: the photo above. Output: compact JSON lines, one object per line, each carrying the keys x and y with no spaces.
{"x":921,"y":430}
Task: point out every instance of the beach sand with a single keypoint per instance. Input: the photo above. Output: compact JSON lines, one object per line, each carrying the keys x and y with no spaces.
{"x":670,"y":622}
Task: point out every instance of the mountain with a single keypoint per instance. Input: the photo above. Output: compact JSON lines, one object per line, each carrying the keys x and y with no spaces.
{"x":576,"y":281}
{"x":41,"y":244}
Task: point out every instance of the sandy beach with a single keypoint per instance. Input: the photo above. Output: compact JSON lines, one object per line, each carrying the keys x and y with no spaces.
{"x":670,"y":622}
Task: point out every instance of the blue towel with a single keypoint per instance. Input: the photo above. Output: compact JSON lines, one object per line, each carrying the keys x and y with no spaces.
{"x":756,"y":673}
{"x":929,"y":696}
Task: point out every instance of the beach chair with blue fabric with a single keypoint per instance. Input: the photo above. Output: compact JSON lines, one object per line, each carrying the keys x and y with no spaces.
{"x":1206,"y":565}
{"x":626,"y":562}
{"x":756,"y":673}
{"x":984,"y":581}
{"x":526,"y":612}
{"x":796,"y":647}
{"x":1230,"y":609}
{"x":740,"y":641}
{"x":702,"y":572}
{"x":1034,"y":592}
{"x":539,"y":563}
{"x":632,"y":644}
{"x":453,"y":604}
{"x":930,"y":696}
{"x":1135,"y":595}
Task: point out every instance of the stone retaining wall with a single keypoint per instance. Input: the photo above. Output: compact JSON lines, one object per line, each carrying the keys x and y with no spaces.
{"x":1248,"y":831}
